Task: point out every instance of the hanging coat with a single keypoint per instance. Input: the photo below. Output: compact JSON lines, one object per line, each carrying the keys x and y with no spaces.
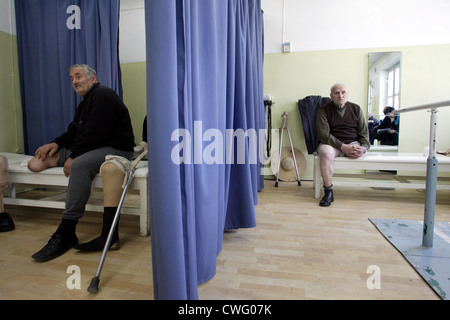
{"x":308,"y":107}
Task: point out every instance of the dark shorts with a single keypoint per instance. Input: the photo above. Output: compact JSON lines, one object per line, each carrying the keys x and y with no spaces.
{"x":64,"y":154}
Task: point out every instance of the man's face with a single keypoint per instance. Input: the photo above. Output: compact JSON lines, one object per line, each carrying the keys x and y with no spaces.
{"x":80,"y":81}
{"x":339,"y":95}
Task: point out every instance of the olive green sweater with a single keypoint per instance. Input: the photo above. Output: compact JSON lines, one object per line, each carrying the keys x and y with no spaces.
{"x":336,"y":126}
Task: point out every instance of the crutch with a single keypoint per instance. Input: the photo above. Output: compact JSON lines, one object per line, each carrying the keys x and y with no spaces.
{"x":285,"y":126}
{"x":93,"y":287}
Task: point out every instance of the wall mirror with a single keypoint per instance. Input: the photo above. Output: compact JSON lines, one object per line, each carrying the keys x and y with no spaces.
{"x":384,"y":83}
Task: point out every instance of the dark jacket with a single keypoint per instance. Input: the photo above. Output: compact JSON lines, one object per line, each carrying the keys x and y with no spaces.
{"x":308,"y":111}
{"x":383,"y":134}
{"x":101,"y":120}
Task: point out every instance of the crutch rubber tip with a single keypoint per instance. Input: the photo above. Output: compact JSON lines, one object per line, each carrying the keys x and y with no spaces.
{"x":276,"y":184}
{"x":93,"y":287}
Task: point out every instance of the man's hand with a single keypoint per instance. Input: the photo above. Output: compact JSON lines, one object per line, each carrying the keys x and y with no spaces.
{"x":67,"y":166}
{"x":47,"y":150}
{"x":353,"y":151}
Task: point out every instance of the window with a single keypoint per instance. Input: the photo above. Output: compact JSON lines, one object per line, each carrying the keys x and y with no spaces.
{"x":393,"y":89}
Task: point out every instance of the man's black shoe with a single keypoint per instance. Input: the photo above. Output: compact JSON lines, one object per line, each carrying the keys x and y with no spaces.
{"x":57,"y":245}
{"x":327,"y":199}
{"x":6,"y":223}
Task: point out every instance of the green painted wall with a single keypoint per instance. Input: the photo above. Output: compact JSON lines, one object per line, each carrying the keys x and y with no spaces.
{"x":11,"y":130}
{"x":135,"y":95}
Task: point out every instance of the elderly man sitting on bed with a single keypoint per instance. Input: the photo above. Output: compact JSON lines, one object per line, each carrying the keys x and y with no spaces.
{"x":102,"y":126}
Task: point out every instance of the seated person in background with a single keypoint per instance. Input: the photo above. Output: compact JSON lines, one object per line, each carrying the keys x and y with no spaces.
{"x":372,"y":123}
{"x":387,"y":131}
{"x":342,"y":131}
{"x":102,"y":126}
{"x":6,"y":222}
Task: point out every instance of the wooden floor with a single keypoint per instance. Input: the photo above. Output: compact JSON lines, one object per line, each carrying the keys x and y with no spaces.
{"x":298,"y":251}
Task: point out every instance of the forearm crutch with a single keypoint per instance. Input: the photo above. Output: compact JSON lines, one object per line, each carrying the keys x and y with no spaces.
{"x":285,"y":126}
{"x":93,"y":287}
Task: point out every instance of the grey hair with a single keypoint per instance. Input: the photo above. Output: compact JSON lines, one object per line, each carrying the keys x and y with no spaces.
{"x":338,"y":84}
{"x":88,"y":69}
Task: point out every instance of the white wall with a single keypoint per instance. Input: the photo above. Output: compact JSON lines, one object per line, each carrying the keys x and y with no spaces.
{"x":132,"y":31}
{"x":7,"y":17}
{"x":308,"y":25}
{"x":349,"y":24}
{"x":321,"y":25}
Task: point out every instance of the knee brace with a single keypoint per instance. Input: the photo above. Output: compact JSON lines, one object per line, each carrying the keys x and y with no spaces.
{"x":113,"y":173}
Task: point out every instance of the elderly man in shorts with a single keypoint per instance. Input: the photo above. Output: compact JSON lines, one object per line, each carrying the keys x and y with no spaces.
{"x":342,"y":131}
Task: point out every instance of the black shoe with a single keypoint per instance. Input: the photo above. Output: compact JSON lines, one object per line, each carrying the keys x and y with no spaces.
{"x":6,"y":223}
{"x":57,"y":245}
{"x":327,"y":199}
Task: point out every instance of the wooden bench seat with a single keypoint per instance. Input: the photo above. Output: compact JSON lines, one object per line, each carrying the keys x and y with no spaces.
{"x":365,"y":171}
{"x":54,"y":178}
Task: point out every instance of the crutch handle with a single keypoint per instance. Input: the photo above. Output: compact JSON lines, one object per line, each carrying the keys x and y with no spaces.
{"x":138,"y":158}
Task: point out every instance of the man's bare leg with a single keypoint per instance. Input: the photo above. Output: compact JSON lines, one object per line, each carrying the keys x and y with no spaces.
{"x":327,"y":154}
{"x":45,"y":157}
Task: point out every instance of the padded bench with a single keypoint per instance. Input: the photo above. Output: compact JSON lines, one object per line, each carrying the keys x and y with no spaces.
{"x":371,"y":164}
{"x":19,"y":174}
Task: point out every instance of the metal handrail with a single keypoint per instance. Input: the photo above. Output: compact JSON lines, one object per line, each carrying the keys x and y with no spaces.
{"x":425,"y":106}
{"x":432,"y":164}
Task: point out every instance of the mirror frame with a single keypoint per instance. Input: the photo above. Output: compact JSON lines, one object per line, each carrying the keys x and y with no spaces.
{"x":379,"y":64}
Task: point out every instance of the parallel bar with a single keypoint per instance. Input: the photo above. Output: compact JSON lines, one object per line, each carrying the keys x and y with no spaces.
{"x":431,"y":185}
{"x":433,"y":132}
{"x":430,"y":203}
{"x":432,"y":169}
{"x":425,"y":106}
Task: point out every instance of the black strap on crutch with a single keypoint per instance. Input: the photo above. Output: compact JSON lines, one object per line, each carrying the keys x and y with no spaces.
{"x":285,"y":126}
{"x":268,"y":103}
{"x":93,"y":287}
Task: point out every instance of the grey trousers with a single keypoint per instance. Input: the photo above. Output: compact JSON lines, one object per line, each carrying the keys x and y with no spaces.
{"x":82,"y":171}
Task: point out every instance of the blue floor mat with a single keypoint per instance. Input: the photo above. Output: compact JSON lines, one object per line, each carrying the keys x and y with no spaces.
{"x":433,"y":264}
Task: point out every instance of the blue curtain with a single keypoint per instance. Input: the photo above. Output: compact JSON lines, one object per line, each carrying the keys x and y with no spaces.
{"x":204,"y":89}
{"x":52,"y":35}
